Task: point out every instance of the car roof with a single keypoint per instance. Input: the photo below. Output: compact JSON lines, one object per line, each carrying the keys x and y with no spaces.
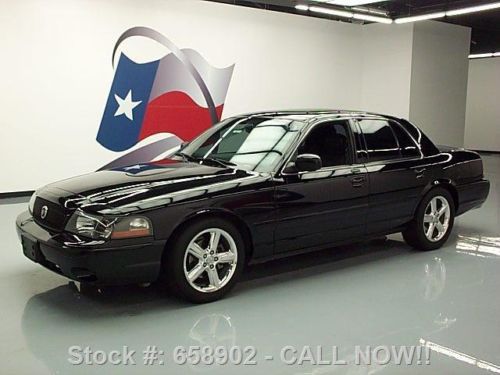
{"x":307,"y":115}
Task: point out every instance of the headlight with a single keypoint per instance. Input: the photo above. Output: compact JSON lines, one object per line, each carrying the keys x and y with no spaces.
{"x":91,"y":226}
{"x":99,"y":227}
{"x":130,"y":227}
{"x":31,"y":204}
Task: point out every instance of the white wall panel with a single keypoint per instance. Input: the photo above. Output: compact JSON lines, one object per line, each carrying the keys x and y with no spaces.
{"x":56,"y":71}
{"x":439,"y":80}
{"x":482,"y":125}
{"x":386,"y":53}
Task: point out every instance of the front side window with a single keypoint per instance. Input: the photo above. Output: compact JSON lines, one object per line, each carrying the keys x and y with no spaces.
{"x":330,"y":141}
{"x":253,"y":143}
{"x":380,"y":140}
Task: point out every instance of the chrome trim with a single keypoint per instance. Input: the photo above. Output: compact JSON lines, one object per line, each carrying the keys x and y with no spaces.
{"x":43,"y":212}
{"x":328,"y":169}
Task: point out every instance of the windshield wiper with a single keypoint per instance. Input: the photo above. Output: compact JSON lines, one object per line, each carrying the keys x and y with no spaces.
{"x":186,"y":157}
{"x":221,"y":162}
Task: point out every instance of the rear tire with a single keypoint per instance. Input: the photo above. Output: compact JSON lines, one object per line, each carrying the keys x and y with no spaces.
{"x":433,"y":221}
{"x":205,"y":260}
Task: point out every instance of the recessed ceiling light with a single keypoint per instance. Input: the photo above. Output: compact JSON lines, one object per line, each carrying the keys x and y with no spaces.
{"x":331,"y":12}
{"x":349,"y":3}
{"x":449,"y":13}
{"x":483,"y":55}
{"x":345,"y":14}
{"x":478,"y":8}
{"x":369,"y":18}
{"x":423,"y":17}
{"x":370,"y":10}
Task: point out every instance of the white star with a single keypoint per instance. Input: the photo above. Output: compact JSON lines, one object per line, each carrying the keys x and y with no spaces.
{"x":126,"y":106}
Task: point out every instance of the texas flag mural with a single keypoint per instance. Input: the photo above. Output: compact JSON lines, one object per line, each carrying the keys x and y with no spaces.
{"x":180,"y":94}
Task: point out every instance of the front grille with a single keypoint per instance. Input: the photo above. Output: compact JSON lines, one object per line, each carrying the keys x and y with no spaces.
{"x":54,"y":218}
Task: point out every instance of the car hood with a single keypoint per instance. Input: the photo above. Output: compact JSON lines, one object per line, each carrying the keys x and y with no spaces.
{"x":146,"y":186}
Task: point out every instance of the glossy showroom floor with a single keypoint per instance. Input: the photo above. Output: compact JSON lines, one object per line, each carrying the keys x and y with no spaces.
{"x":379,"y":293}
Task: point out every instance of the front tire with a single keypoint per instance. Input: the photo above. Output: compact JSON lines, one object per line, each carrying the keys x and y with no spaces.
{"x":433,"y":221}
{"x":206,"y":260}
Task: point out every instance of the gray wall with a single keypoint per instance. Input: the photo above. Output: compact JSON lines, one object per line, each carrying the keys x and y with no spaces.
{"x":439,"y":80}
{"x":482,"y":124}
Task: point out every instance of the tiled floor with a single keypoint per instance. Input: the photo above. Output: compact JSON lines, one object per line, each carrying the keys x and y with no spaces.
{"x":377,"y":294}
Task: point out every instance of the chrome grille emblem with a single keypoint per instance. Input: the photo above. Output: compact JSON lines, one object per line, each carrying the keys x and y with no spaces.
{"x":44,"y":211}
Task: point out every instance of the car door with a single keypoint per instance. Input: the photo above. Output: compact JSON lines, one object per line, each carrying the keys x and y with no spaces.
{"x":328,"y":205}
{"x":396,"y":172}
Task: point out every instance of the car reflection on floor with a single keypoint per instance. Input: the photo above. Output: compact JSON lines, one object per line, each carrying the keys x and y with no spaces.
{"x":326,"y":298}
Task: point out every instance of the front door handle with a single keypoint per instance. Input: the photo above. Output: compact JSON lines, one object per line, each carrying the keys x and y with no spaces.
{"x":358,"y":181}
{"x":359,"y":177}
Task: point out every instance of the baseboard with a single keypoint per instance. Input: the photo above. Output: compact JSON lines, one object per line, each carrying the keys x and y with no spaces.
{"x":16,"y":194}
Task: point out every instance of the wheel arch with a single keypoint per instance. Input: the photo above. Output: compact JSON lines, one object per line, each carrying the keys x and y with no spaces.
{"x":446,"y":184}
{"x":218,"y":213}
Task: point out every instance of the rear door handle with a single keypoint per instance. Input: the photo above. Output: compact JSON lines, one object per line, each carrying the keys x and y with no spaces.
{"x":419,"y":172}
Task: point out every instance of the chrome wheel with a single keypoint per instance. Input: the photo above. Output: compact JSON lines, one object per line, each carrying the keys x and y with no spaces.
{"x":436,"y":218}
{"x":210,"y":260}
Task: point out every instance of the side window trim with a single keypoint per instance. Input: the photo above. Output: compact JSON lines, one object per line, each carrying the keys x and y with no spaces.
{"x":355,"y":137}
{"x":351,"y":145}
{"x":396,"y":138}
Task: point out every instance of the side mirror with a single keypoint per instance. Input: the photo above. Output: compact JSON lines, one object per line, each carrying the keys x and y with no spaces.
{"x":183,"y":145}
{"x":308,"y":163}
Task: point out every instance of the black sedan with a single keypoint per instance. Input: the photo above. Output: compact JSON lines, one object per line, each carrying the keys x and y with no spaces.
{"x":252,"y":187}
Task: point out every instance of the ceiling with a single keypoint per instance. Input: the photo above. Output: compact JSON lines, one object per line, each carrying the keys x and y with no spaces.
{"x":485,"y":25}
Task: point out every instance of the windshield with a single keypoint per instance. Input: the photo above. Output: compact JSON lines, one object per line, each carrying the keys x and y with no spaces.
{"x":252,"y":143}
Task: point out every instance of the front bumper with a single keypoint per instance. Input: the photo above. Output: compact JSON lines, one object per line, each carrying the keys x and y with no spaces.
{"x":112,"y":262}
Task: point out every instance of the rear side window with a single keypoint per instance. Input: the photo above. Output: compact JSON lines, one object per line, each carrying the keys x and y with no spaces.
{"x":407,"y":146}
{"x":380,"y":140}
{"x":428,"y":148}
